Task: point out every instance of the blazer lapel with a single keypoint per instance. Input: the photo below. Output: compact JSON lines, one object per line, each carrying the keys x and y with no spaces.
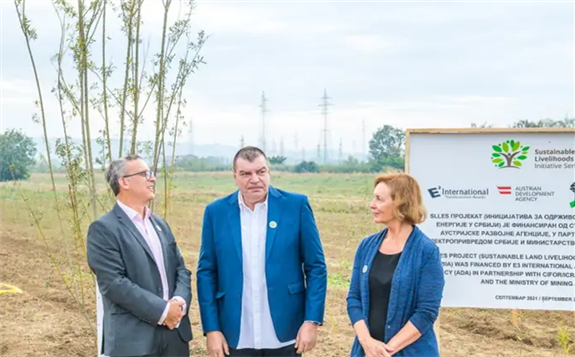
{"x":126,"y":221}
{"x":273,"y":221}
{"x":235,"y":223}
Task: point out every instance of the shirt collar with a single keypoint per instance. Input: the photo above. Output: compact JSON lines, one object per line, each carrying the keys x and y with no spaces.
{"x":241,"y":202}
{"x":132,"y":213}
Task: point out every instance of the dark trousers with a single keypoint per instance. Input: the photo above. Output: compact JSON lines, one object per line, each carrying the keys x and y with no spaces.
{"x":171,"y":345}
{"x":287,"y":351}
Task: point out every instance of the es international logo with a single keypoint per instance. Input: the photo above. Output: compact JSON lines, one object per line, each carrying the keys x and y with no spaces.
{"x":572,"y":187}
{"x":509,"y":154}
{"x":458,"y":193}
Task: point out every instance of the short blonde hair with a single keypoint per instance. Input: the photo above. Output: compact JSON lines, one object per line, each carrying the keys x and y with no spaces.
{"x":406,"y":195}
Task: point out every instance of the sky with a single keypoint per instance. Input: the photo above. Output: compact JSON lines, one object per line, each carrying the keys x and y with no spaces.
{"x":408,"y":64}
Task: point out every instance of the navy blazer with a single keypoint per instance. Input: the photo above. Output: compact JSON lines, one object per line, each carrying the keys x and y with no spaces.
{"x":416,"y":291}
{"x":295,"y":268}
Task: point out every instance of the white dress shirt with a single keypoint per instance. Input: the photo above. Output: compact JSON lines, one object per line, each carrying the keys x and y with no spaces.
{"x":144,"y":226}
{"x":256,"y":329}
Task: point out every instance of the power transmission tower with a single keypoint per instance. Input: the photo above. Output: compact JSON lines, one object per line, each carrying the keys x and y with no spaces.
{"x":242,"y":142}
{"x":340,"y":158}
{"x":363,"y":141}
{"x":318,"y":151}
{"x":296,"y":142}
{"x":324,"y":111}
{"x":191,"y":137}
{"x":264,"y":110}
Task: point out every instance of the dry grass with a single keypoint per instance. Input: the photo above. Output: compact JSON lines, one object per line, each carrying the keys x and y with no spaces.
{"x":46,"y":321}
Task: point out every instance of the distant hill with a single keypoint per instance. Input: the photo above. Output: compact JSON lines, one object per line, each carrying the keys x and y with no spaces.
{"x":226,"y":152}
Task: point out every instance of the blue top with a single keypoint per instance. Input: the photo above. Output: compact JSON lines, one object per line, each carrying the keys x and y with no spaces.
{"x":416,"y":291}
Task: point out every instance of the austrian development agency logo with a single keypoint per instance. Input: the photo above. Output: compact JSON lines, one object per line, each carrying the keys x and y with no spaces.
{"x":504,"y":190}
{"x":572,"y":203}
{"x":509,"y":154}
{"x":525,"y":193}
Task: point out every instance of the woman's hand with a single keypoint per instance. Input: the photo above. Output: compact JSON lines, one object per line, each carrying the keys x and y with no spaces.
{"x":371,"y":346}
{"x":375,"y":348}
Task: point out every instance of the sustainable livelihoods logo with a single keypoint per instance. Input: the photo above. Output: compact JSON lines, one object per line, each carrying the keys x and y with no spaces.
{"x":572,"y":203}
{"x":509,"y":154}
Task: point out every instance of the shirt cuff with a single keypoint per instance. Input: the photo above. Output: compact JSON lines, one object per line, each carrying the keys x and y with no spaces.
{"x":184,"y":307}
{"x":314,"y":322}
{"x":164,"y":314}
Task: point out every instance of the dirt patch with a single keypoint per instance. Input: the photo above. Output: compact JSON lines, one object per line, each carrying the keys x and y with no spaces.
{"x":44,"y":320}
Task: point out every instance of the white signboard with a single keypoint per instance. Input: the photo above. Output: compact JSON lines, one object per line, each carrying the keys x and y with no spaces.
{"x":501,"y":208}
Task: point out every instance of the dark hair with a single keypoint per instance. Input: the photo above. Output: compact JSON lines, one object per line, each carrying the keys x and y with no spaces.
{"x":249,"y":153}
{"x":116,"y":170}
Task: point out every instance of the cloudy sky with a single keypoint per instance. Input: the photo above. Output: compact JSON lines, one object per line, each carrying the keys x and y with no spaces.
{"x":411,"y":65}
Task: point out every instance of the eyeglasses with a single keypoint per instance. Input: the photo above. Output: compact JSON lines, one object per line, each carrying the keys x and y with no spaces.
{"x":148,"y":174}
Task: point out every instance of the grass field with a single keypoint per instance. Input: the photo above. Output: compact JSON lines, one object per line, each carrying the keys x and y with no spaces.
{"x":47,"y":321}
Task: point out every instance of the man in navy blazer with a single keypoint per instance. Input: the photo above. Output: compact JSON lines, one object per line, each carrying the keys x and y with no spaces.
{"x":262,"y":277}
{"x":145,"y":285}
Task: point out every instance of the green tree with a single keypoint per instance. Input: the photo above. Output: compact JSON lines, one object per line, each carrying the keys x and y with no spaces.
{"x":16,"y":155}
{"x":484,"y":125}
{"x":387,"y":141}
{"x":277,"y":160}
{"x":546,"y":123}
{"x":306,"y":166}
{"x":386,"y":148}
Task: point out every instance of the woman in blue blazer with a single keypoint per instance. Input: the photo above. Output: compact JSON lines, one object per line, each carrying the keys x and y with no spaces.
{"x":397,"y":280}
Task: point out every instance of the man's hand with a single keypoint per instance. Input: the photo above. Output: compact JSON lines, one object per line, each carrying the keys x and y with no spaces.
{"x":216,"y":344}
{"x":175,"y":314}
{"x":306,"y":337}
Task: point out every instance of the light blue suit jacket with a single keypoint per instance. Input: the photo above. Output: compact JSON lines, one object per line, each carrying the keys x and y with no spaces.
{"x":295,"y":268}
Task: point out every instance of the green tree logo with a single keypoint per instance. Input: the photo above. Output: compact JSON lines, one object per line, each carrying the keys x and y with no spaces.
{"x":572,"y":188}
{"x":509,"y":154}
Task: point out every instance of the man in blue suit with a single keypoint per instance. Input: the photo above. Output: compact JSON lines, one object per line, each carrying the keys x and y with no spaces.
{"x":262,"y":277}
